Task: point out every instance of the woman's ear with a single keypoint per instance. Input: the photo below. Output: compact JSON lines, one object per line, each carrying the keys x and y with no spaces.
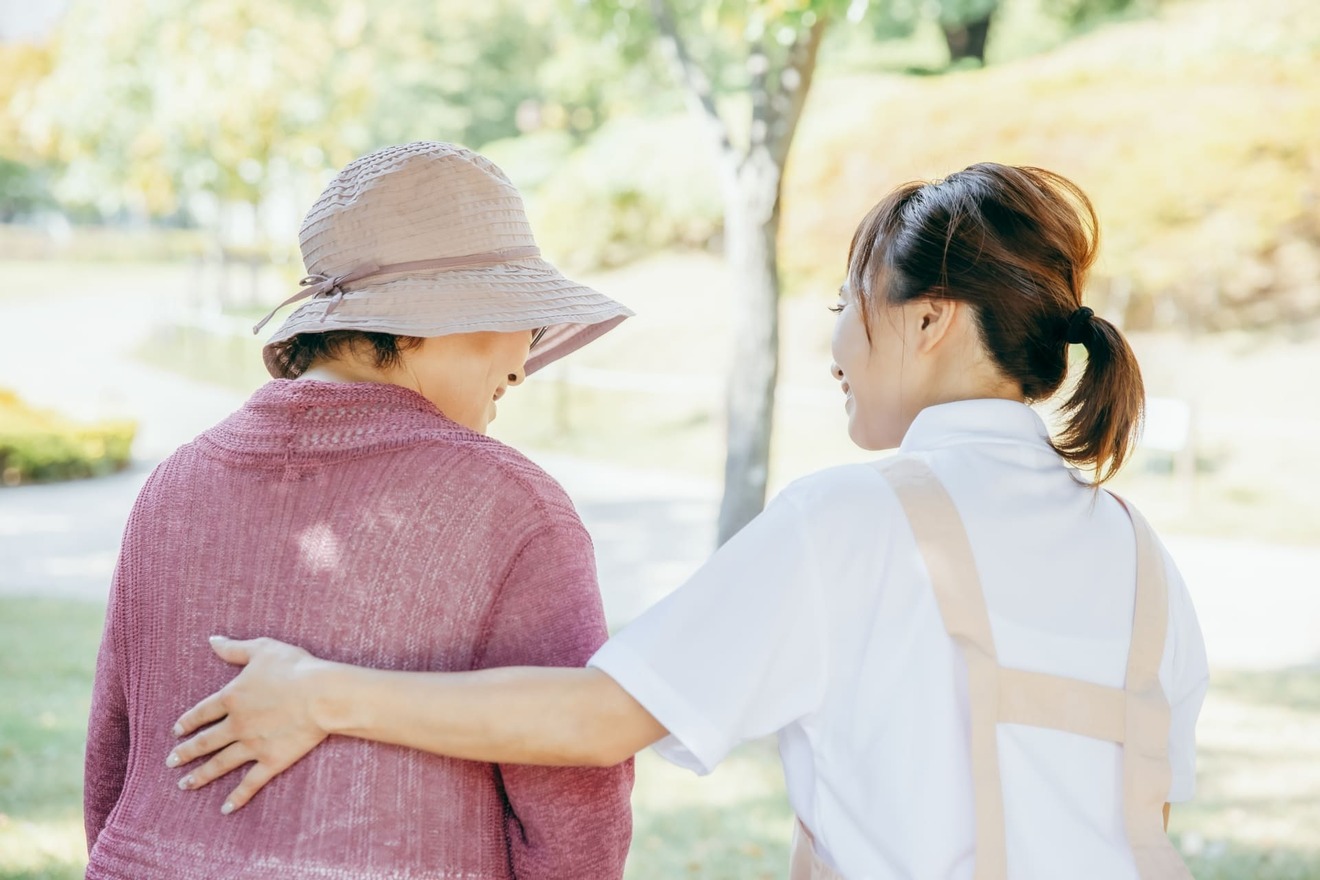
{"x":934,"y":317}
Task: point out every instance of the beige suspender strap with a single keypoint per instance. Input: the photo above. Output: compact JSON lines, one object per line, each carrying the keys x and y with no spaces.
{"x":1146,"y":771}
{"x":805,"y":864}
{"x":1137,"y":716}
{"x":1059,"y":703}
{"x":943,"y":543}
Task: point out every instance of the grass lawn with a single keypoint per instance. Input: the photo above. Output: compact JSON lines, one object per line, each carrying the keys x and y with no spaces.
{"x":1257,"y":814}
{"x":46,"y":660}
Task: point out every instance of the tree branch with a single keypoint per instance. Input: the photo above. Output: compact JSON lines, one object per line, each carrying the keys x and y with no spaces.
{"x":698,"y":88}
{"x":791,"y":93}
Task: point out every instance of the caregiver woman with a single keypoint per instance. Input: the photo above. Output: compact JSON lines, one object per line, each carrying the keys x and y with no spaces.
{"x":977,"y":663}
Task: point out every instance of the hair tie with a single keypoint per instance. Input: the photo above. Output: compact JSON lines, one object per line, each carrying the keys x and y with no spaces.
{"x":1080,"y":329}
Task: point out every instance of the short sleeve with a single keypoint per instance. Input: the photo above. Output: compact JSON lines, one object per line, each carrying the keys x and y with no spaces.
{"x":1186,"y":688}
{"x":735,"y":653}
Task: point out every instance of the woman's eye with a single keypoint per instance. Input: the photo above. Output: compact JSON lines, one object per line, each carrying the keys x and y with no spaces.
{"x":836,"y":309}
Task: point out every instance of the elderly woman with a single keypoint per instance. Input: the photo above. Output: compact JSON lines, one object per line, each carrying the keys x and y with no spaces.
{"x":356,"y":506}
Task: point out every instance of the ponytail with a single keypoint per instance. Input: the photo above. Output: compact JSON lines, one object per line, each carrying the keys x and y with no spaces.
{"x":1104,"y":411}
{"x":1016,"y":243}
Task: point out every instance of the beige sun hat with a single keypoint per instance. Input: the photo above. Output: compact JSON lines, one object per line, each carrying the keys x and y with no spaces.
{"x":430,"y":239}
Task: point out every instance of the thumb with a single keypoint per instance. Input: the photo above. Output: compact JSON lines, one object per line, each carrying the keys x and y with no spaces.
{"x":232,"y":650}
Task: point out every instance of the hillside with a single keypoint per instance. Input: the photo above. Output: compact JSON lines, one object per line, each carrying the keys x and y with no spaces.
{"x":1196,"y":133}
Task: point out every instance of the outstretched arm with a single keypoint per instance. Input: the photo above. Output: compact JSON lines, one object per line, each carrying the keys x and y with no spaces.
{"x":285,"y":702}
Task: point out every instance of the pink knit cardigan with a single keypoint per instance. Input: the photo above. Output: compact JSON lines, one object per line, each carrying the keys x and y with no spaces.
{"x":358,"y":522}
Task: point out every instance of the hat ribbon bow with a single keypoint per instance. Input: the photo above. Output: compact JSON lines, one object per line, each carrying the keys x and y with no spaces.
{"x":332,"y":286}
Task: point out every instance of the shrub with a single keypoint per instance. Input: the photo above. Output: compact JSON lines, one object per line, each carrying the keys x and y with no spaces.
{"x":40,"y":446}
{"x":638,"y":186}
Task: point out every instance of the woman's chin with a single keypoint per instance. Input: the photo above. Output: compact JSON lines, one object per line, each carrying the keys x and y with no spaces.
{"x":858,"y":434}
{"x":867,"y":438}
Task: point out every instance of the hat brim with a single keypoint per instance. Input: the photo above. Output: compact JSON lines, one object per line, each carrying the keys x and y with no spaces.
{"x":506,"y":297}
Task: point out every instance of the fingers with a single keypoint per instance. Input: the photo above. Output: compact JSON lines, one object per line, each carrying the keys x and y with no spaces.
{"x":208,"y":741}
{"x":253,"y":781}
{"x":228,"y":760}
{"x":234,"y":651}
{"x":211,"y":709}
{"x":208,"y":710}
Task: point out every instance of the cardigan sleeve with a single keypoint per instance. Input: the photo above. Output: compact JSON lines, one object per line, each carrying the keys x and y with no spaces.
{"x":106,"y":761}
{"x":563,"y":823}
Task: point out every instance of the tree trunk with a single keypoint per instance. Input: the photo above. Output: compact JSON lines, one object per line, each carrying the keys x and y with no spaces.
{"x":751,"y":228}
{"x":967,"y":40}
{"x":751,"y":181}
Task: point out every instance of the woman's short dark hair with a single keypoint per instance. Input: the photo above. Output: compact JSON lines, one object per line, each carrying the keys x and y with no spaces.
{"x":1016,"y":244}
{"x":294,"y":356}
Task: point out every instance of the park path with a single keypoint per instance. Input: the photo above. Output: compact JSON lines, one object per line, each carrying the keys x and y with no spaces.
{"x":1259,"y":604}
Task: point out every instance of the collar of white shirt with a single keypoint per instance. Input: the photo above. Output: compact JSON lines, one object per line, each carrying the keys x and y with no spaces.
{"x":976,"y":421}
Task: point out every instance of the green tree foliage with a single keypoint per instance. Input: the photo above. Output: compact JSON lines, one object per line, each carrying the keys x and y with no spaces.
{"x":23,"y":190}
{"x":966,"y":24}
{"x":23,"y":185}
{"x":226,"y":96}
{"x":736,"y":48}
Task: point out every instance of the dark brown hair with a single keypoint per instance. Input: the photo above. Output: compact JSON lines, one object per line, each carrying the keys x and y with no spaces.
{"x":1014,"y":243}
{"x":294,"y":356}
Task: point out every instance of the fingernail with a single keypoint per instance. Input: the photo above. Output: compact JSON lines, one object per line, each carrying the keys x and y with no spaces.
{"x":178,"y":730}
{"x":214,"y":639}
{"x":172,"y":760}
{"x":226,"y":809}
{"x":186,"y":783}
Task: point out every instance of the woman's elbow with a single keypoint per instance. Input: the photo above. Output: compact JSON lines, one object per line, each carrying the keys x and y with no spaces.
{"x":623,"y":736}
{"x":592,"y":745}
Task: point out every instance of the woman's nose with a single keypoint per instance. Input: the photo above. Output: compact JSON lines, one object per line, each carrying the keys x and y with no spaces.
{"x":516,"y":378}
{"x":836,"y":371}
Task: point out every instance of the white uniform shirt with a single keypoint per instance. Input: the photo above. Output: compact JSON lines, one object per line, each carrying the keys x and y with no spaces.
{"x":817,"y":622}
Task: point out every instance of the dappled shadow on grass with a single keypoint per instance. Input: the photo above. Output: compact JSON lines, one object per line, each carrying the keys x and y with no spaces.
{"x":1256,"y":813}
{"x":1237,"y":862}
{"x":46,"y":673}
{"x":48,"y":850}
{"x":735,"y":823}
{"x":53,"y":871}
{"x":46,"y":666}
{"x":712,"y":842}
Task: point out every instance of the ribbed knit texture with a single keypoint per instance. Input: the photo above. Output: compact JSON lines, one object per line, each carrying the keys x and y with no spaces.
{"x":357,"y":522}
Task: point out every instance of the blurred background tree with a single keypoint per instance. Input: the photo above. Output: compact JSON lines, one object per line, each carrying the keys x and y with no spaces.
{"x":746,"y":69}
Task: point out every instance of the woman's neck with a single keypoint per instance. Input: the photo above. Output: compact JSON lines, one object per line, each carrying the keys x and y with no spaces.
{"x":434,"y":379}
{"x":353,"y":371}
